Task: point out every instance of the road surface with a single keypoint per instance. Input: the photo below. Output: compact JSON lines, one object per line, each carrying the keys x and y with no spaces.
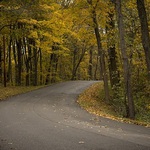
{"x":51,"y":119}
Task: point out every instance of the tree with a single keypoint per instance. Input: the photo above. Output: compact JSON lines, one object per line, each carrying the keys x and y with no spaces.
{"x":113,"y":67}
{"x":126,"y":68}
{"x":91,"y":64}
{"x":144,"y":32}
{"x":0,"y":64}
{"x":4,"y":60}
{"x":100,"y":49}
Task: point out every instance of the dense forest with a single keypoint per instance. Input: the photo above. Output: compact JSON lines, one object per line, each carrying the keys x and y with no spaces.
{"x":47,"y":41}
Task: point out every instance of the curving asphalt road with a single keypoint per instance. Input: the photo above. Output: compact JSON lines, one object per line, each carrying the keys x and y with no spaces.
{"x":50,"y":119}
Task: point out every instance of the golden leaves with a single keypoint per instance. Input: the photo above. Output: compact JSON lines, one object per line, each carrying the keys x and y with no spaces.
{"x":14,"y":90}
{"x":92,"y":101}
{"x":28,"y":21}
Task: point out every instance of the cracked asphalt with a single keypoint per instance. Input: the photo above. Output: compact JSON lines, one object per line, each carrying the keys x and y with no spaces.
{"x":50,"y":119}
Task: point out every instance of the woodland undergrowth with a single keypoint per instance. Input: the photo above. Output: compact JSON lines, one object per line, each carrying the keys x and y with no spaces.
{"x":15,"y":90}
{"x":93,"y":101}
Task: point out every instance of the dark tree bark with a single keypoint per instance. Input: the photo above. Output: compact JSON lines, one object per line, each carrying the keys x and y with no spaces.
{"x":1,"y":64}
{"x":48,"y":71}
{"x":90,"y":69}
{"x":54,"y":66}
{"x":113,"y":68}
{"x":126,"y":66}
{"x":55,"y":60}
{"x":100,"y":50}
{"x":145,"y":32}
{"x":41,"y":67}
{"x":27,"y":57}
{"x":19,"y":63}
{"x":9,"y":62}
{"x":4,"y":60}
{"x":27,"y":71}
{"x":15,"y":59}
{"x":26,"y":61}
{"x":35,"y":64}
{"x":96,"y":68}
{"x":30,"y":64}
{"x":77,"y":64}
{"x":74,"y":64}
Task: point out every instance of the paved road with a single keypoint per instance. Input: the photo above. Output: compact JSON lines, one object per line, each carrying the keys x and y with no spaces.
{"x":50,"y":119}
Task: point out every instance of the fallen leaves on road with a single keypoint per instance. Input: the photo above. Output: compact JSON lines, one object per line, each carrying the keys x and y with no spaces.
{"x":81,"y":142}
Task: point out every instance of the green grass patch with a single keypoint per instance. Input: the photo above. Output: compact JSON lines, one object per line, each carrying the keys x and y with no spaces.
{"x":93,"y":101}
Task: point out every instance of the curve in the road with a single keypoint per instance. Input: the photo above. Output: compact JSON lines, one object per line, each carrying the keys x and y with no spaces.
{"x":51,"y":119}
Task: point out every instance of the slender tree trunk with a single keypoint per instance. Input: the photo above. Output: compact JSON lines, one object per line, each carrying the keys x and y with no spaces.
{"x":26,"y":61}
{"x":4,"y":51}
{"x":76,"y":66}
{"x":102,"y":62}
{"x":54,"y":66}
{"x":15,"y":60}
{"x":91,"y":65}
{"x":113,"y":68}
{"x":9,"y":73}
{"x":126,"y":67}
{"x":41,"y":67}
{"x":19,"y":57}
{"x":96,"y":66}
{"x":35,"y":74}
{"x":100,"y":52}
{"x":27,"y":73}
{"x":19,"y":63}
{"x":1,"y":64}
{"x":52,"y":69}
{"x":49,"y":70}
{"x":145,"y":32}
{"x":30,"y":62}
{"x":9,"y":62}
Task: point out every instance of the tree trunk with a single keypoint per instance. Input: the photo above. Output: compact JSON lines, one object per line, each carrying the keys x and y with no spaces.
{"x":76,"y":66}
{"x":96,"y":68}
{"x":54,"y":65}
{"x":91,"y":65}
{"x":15,"y":60}
{"x":19,"y":63}
{"x":35,"y":60}
{"x":100,"y":53}
{"x":27,"y":73}
{"x":113,"y":68}
{"x":126,"y":67}
{"x":145,"y":32}
{"x":49,"y":70}
{"x":41,"y":67}
{"x":30,"y":67}
{"x":9,"y":62}
{"x":1,"y":64}
{"x":4,"y":53}
{"x":26,"y":61}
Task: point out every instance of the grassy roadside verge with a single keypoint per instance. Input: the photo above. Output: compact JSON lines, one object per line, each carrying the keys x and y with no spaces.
{"x":15,"y":90}
{"x":92,"y":101}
